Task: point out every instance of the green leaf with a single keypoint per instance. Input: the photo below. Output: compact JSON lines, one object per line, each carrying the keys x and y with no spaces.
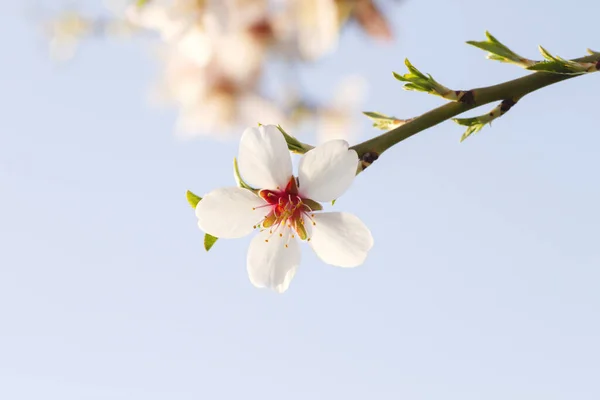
{"x":333,"y":201}
{"x":554,"y":64}
{"x":384,"y":122}
{"x":209,"y":241}
{"x":499,"y":52}
{"x":418,"y":81}
{"x":294,"y":145}
{"x":192,"y":199}
{"x":238,"y":179}
{"x":559,"y":65}
{"x":475,"y":124}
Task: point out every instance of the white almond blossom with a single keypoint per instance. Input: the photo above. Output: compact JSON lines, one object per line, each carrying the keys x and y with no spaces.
{"x":208,"y":101}
{"x":215,"y":51}
{"x":285,"y":208}
{"x":218,"y":54}
{"x":228,"y":33}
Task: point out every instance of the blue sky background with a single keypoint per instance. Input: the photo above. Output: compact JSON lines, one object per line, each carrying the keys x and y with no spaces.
{"x":483,"y":282}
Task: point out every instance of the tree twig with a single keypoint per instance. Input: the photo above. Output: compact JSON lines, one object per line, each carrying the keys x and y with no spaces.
{"x":514,"y":89}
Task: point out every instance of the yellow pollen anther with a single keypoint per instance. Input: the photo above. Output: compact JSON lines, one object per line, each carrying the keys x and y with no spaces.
{"x":267,"y":240}
{"x":253,"y":208}
{"x":286,"y":246}
{"x":308,"y":240}
{"x":281,"y":235}
{"x":314,"y":223}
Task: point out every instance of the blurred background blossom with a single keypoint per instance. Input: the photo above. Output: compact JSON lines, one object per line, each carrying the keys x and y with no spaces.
{"x":228,"y":64}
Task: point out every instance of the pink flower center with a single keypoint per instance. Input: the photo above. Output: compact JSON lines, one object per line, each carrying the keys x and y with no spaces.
{"x":288,"y":209}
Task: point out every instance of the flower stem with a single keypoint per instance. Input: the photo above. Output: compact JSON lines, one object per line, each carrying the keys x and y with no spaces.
{"x":514,"y":89}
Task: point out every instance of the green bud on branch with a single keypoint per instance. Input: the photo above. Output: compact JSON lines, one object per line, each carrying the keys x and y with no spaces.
{"x":514,"y":89}
{"x":499,"y":52}
{"x":384,"y":122}
{"x":417,"y":81}
{"x":475,"y":124}
{"x":559,"y":65}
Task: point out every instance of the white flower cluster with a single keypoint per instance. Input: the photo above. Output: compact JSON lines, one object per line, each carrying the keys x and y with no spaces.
{"x":215,"y":53}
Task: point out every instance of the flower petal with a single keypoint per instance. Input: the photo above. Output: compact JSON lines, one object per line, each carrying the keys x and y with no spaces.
{"x":270,"y":263}
{"x":230,"y":212}
{"x":340,"y":239}
{"x":264,"y":158}
{"x":327,"y":171}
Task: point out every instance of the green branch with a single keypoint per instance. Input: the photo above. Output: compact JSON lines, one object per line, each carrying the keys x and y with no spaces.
{"x":514,"y":89}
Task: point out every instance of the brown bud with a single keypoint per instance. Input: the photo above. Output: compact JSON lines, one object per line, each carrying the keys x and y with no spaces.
{"x":368,"y":158}
{"x":506,"y":105}
{"x":467,"y":97}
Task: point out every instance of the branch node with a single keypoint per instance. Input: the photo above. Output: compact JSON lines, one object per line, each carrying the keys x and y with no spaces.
{"x":507,"y":105}
{"x":368,"y":158}
{"x":466,"y":96}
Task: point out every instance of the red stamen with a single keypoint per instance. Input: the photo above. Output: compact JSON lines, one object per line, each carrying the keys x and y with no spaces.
{"x":288,"y":210}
